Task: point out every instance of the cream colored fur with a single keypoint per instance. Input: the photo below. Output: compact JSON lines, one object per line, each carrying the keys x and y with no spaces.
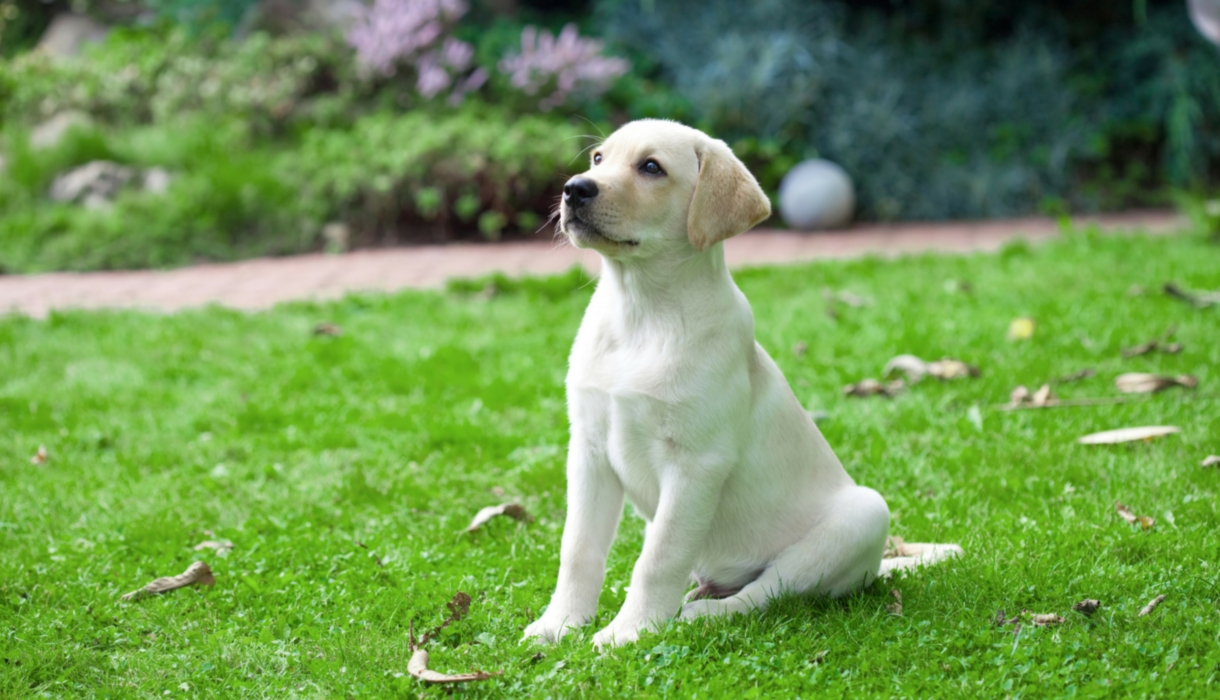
{"x":675,"y":407}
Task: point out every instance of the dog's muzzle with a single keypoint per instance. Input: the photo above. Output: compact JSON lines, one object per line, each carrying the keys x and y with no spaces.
{"x":579,"y":191}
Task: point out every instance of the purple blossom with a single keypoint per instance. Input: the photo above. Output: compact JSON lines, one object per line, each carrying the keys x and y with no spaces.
{"x":457,"y":54}
{"x":391,"y":32}
{"x":433,"y":78}
{"x":395,"y":33}
{"x":572,"y":63}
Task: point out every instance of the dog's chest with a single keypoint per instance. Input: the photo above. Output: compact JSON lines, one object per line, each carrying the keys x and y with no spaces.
{"x":622,"y":399}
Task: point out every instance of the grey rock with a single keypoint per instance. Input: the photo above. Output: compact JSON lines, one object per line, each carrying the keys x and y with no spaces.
{"x":68,"y":33}
{"x":1206,"y":16}
{"x":93,"y":184}
{"x":336,"y":237}
{"x":94,"y":201}
{"x":156,"y":180}
{"x":817,"y":194}
{"x":49,"y":133}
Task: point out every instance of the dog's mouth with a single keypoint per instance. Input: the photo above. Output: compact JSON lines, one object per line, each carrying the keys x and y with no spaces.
{"x":584,"y":232}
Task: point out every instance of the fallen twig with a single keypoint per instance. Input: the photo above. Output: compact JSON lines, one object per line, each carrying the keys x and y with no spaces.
{"x":197,"y":573}
{"x":1152,"y":605}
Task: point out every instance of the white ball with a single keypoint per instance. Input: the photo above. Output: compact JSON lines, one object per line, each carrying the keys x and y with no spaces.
{"x":816,"y":194}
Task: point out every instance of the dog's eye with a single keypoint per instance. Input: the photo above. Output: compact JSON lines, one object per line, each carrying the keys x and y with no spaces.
{"x":652,"y":168}
{"x":597,"y":158}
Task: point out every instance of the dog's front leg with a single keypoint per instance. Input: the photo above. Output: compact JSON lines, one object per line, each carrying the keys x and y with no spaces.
{"x":595,"y":504}
{"x":672,"y":542}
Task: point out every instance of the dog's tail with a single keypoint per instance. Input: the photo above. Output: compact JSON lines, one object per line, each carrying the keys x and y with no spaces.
{"x":901,"y":555}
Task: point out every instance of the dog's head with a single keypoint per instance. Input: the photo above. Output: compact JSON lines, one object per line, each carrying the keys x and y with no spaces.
{"x":656,"y":186}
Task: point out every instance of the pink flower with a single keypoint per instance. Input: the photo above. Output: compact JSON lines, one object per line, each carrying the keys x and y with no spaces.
{"x":395,"y":33}
{"x":391,"y":32}
{"x":571,"y":62}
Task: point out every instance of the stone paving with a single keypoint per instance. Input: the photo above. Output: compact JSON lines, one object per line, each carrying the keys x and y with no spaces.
{"x":264,"y":282}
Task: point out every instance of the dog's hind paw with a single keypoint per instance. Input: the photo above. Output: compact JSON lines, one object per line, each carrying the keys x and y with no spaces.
{"x":911,"y":555}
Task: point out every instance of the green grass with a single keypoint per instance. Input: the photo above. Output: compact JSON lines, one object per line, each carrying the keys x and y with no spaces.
{"x":299,"y":448}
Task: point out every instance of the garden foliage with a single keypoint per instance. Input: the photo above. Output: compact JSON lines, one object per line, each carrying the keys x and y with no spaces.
{"x":948,"y":108}
{"x":432,"y":119}
{"x":267,"y":140}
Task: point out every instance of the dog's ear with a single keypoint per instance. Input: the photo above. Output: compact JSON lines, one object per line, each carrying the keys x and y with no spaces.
{"x":727,"y":198}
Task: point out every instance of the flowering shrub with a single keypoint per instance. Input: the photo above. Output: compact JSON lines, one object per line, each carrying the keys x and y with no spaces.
{"x":568,"y":62}
{"x":394,"y":33}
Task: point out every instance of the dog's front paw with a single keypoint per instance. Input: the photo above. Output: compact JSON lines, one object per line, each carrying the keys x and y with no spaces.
{"x":549,"y":629}
{"x":710,"y":607}
{"x":616,"y":635}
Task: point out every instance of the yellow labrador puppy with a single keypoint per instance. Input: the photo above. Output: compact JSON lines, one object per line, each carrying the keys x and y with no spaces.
{"x":674,"y":406}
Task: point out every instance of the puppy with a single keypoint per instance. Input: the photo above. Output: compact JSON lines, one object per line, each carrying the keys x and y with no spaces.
{"x":674,"y":406}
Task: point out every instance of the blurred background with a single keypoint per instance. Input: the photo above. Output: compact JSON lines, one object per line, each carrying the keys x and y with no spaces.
{"x":156,"y":133}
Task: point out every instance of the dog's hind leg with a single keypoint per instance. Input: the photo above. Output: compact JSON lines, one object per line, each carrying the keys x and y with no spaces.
{"x":915,"y":554}
{"x":841,"y":554}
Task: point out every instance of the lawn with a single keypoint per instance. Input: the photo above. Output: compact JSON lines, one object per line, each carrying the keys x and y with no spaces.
{"x":345,"y":468}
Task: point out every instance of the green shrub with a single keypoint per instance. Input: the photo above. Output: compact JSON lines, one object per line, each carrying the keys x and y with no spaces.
{"x":226,"y":200}
{"x":949,"y":108}
{"x":32,"y":171}
{"x":474,"y":172}
{"x":141,"y":76}
{"x":437,"y":174}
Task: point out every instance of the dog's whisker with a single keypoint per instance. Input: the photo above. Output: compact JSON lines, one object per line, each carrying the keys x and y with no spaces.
{"x":592,"y":124}
{"x":584,"y":150}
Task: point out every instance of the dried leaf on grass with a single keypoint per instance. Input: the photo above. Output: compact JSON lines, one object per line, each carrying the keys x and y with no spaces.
{"x":220,"y":547}
{"x":1150,"y":346}
{"x":1076,"y":376}
{"x":1021,"y":329}
{"x":327,"y":329}
{"x":895,"y":608}
{"x":1199,"y":299}
{"x":1088,"y":606}
{"x":1001,"y":621}
{"x":1141,"y":383}
{"x":1114,"y":437}
{"x":916,"y":369}
{"x":1125,"y":513}
{"x":1021,"y":398}
{"x":872,"y":387}
{"x":418,"y":667}
{"x":947,"y":368}
{"x":459,"y":606}
{"x":1161,"y":344}
{"x":1151,"y":605}
{"x":833,"y":297}
{"x":40,"y":455}
{"x":913,"y":367}
{"x":1211,"y":461}
{"x":1046,"y":620}
{"x":371,"y":553}
{"x":512,"y":510}
{"x":197,"y":573}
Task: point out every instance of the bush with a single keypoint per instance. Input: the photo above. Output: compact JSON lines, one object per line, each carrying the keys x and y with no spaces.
{"x":415,"y":176}
{"x":949,"y":108}
{"x":430,"y":175}
{"x":226,"y":201}
{"x":139,"y":76}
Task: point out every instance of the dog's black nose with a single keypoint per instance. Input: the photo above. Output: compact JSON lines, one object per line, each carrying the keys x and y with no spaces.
{"x":579,"y":190}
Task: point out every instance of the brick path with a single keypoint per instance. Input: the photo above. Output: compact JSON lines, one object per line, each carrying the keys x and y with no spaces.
{"x":261,"y":283}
